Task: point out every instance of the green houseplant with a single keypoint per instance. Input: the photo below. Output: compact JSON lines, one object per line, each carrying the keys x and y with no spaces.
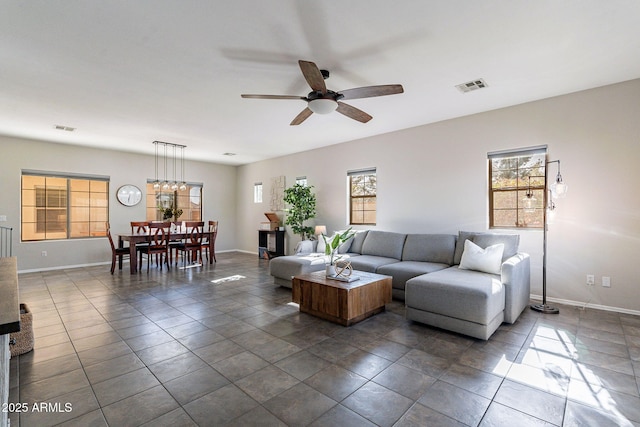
{"x":331,"y":247}
{"x":302,"y":206}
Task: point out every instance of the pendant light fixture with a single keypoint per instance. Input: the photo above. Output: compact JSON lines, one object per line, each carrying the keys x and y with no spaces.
{"x":167,"y":185}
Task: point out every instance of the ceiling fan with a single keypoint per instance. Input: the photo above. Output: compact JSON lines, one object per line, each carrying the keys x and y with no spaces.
{"x":323,"y":101}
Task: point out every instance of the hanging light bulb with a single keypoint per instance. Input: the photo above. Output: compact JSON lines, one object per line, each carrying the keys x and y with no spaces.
{"x":156,"y":183}
{"x":174,"y":183}
{"x":529,"y":201}
{"x":559,"y":188}
{"x":165,"y":183}
{"x":183,"y":185}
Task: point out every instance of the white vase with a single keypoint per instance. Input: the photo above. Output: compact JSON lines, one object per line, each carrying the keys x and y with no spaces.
{"x":331,"y":270}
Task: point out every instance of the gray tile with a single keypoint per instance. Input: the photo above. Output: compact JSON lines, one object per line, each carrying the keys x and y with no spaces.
{"x":473,"y":380}
{"x":218,"y":351}
{"x":176,"y":418}
{"x":456,"y":403}
{"x":378,"y":404}
{"x":341,"y":416}
{"x":43,"y":390}
{"x":240,"y":365}
{"x":406,"y":381}
{"x":302,"y":365}
{"x":220,"y":406}
{"x":68,"y":406}
{"x":536,"y":403}
{"x":578,"y":415}
{"x":266,"y":383}
{"x":424,"y":362}
{"x":176,"y":366}
{"x":114,"y":367}
{"x":299,"y":405}
{"x":161,"y":352}
{"x":140,"y":408}
{"x":123,"y":386}
{"x":336,"y":382}
{"x":258,"y":416}
{"x":419,"y":415}
{"x":499,"y":415}
{"x":195,"y":384}
{"x":364,"y":364}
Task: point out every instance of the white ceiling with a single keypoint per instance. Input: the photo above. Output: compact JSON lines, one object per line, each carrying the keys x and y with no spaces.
{"x":126,"y":73}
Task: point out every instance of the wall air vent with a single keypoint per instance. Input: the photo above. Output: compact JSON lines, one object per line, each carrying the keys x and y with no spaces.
{"x":472,"y":85}
{"x":65,"y":128}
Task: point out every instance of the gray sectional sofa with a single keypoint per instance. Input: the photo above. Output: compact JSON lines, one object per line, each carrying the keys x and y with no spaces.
{"x":427,"y":275}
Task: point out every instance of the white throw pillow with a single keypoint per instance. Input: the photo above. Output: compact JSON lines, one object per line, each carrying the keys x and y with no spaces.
{"x":488,"y":260}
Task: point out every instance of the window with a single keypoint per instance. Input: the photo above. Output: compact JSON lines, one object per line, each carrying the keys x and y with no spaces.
{"x":362,"y":197}
{"x":163,"y":205}
{"x":257,"y":192}
{"x":301,"y":180}
{"x":516,"y":177}
{"x":63,"y":206}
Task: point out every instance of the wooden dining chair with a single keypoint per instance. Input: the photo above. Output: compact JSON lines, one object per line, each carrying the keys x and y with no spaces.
{"x":191,"y":246}
{"x":140,"y":227}
{"x":159,"y":238}
{"x":211,"y":238}
{"x":118,"y":253}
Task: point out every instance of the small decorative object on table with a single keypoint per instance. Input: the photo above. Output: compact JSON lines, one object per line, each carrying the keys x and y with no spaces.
{"x":331,"y":249}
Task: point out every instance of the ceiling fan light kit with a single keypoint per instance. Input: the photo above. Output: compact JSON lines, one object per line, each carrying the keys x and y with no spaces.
{"x":323,"y":101}
{"x":323,"y":106}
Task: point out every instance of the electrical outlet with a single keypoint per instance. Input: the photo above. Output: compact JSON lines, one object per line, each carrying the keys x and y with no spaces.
{"x":606,"y":281}
{"x":43,"y":253}
{"x":3,"y":218}
{"x":591,"y":279}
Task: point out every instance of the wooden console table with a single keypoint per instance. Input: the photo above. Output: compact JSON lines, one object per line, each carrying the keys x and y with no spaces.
{"x":345,"y":303}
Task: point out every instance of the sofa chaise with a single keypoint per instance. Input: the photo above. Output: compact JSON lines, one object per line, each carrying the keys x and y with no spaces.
{"x":435,"y":275}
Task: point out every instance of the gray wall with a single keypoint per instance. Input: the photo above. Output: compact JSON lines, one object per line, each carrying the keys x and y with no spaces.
{"x":219,"y":196}
{"x":433,"y":178}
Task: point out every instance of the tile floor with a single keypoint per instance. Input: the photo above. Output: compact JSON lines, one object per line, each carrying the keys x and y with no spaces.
{"x":176,"y":349}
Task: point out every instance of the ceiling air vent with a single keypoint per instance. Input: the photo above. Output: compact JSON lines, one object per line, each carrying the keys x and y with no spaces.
{"x":472,"y":85}
{"x":65,"y":128}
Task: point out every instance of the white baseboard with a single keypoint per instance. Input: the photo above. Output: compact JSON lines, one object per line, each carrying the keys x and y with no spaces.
{"x":587,"y":305}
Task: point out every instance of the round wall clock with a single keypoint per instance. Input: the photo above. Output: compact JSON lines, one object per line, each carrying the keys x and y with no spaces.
{"x":129,"y":195}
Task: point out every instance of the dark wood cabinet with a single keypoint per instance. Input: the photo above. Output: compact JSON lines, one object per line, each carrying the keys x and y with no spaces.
{"x":270,"y":243}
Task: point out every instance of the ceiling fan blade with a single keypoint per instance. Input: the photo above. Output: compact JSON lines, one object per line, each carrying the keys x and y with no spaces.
{"x":370,"y":91}
{"x":314,"y":77}
{"x":304,"y":115}
{"x":274,"y":97}
{"x":353,"y":112}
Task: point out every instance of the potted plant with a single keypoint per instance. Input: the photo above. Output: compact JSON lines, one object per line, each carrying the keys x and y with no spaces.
{"x":170,"y":212}
{"x":302,"y":206}
{"x":331,"y":248}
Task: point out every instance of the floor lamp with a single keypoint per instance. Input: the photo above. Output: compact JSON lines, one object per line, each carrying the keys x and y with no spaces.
{"x":557,"y":190}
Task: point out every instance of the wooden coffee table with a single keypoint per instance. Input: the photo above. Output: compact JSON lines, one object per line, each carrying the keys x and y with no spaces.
{"x":342,"y":302}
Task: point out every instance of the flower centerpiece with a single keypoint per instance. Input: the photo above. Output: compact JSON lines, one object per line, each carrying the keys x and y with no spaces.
{"x":331,"y":247}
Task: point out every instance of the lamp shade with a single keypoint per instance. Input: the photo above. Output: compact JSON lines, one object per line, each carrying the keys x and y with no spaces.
{"x":321,"y":229}
{"x":323,"y":106}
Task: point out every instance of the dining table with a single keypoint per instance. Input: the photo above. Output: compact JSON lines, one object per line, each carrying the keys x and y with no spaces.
{"x":135,"y":238}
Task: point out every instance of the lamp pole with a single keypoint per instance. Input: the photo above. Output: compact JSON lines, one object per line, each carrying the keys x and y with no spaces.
{"x":548,"y":204}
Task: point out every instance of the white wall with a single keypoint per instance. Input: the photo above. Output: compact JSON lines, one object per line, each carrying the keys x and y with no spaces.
{"x":433,"y":178}
{"x":219,"y":196}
